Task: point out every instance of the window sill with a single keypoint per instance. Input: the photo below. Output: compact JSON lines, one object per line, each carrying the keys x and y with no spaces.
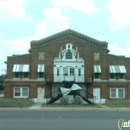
{"x":21,"y":97}
{"x":25,"y":78}
{"x":16,"y":78}
{"x":117,"y":98}
{"x":96,"y":79}
{"x":121,"y":79}
{"x":41,"y":79}
{"x":112,"y":79}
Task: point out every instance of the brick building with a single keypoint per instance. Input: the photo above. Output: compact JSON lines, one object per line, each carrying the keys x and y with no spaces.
{"x":64,"y":59}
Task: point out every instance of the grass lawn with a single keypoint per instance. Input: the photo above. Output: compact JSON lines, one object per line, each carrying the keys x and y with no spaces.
{"x":69,"y":105}
{"x":118,"y":103}
{"x":13,"y":102}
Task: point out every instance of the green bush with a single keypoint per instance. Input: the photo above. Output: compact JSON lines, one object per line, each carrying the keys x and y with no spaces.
{"x":77,"y":100}
{"x":64,"y":100}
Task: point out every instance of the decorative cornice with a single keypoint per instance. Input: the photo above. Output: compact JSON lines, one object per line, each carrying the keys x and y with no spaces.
{"x":69,"y":33}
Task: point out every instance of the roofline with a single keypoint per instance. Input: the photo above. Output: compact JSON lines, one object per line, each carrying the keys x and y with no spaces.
{"x":68,"y":33}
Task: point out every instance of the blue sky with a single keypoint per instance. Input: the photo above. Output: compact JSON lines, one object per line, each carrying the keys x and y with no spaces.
{"x":22,"y":21}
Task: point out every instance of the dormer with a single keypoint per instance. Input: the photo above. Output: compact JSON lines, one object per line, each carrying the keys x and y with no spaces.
{"x":68,"y":54}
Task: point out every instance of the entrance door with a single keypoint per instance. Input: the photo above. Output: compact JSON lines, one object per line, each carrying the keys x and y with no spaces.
{"x":40,"y":95}
{"x":96,"y":93}
{"x":69,"y":74}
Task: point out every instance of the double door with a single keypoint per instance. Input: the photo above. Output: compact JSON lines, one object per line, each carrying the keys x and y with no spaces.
{"x":69,"y":74}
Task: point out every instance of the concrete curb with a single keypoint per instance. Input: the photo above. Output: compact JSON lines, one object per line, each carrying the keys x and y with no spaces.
{"x":34,"y":108}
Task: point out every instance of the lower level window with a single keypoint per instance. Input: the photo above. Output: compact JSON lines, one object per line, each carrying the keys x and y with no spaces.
{"x":21,"y":92}
{"x":117,"y":93}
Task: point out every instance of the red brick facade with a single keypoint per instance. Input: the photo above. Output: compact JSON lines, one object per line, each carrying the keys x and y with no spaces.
{"x":51,"y":46}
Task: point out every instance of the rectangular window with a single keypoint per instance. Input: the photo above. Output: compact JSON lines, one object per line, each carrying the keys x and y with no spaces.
{"x":121,"y":93}
{"x":40,"y":75}
{"x":96,"y":75}
{"x":65,"y":71}
{"x":79,"y":72}
{"x":16,"y":75}
{"x":113,"y":93}
{"x":71,"y":72}
{"x":25,"y":75}
{"x":112,"y":76}
{"x":21,"y":92}
{"x":17,"y":92}
{"x":24,"y":91}
{"x":58,"y":72}
{"x":117,"y":93}
{"x":121,"y":76}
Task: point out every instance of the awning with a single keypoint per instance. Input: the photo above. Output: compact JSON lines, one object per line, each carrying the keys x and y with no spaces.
{"x":75,"y":87}
{"x":41,"y":68}
{"x":21,"y":68}
{"x":117,"y":69}
{"x":66,"y":91}
{"x":97,"y":69}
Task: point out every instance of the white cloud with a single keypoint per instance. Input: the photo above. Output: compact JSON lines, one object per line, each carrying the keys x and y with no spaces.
{"x":18,"y":44}
{"x":14,"y":46}
{"x":86,"y":6}
{"x":53,"y":22}
{"x":1,"y":34}
{"x":119,"y":49}
{"x":127,"y":41}
{"x":30,"y":18}
{"x":11,"y":9}
{"x":119,"y":13}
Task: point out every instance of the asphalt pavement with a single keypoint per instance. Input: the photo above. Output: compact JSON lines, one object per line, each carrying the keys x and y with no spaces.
{"x":61,"y":120}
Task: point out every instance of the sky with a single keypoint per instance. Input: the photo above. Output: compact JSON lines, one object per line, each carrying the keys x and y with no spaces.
{"x":22,"y":21}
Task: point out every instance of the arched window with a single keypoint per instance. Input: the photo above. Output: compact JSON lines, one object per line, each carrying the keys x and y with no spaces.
{"x":68,"y":55}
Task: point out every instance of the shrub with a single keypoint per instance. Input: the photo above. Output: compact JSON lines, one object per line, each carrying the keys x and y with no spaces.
{"x":64,"y":100}
{"x":77,"y":100}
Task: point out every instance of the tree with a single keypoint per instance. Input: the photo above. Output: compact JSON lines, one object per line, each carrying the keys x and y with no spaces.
{"x":2,"y":79}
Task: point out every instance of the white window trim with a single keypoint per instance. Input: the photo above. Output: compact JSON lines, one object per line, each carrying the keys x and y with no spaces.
{"x":117,"y":92}
{"x":21,"y":89}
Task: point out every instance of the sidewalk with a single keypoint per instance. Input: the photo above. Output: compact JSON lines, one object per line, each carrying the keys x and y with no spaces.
{"x":39,"y":107}
{"x":102,"y":108}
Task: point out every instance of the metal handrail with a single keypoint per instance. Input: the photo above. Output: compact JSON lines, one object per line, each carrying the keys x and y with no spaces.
{"x":74,"y":77}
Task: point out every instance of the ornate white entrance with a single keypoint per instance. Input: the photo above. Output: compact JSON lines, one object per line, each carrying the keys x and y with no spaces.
{"x":68,"y":66}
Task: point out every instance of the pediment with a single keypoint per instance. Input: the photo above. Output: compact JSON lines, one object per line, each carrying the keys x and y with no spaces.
{"x":69,"y":33}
